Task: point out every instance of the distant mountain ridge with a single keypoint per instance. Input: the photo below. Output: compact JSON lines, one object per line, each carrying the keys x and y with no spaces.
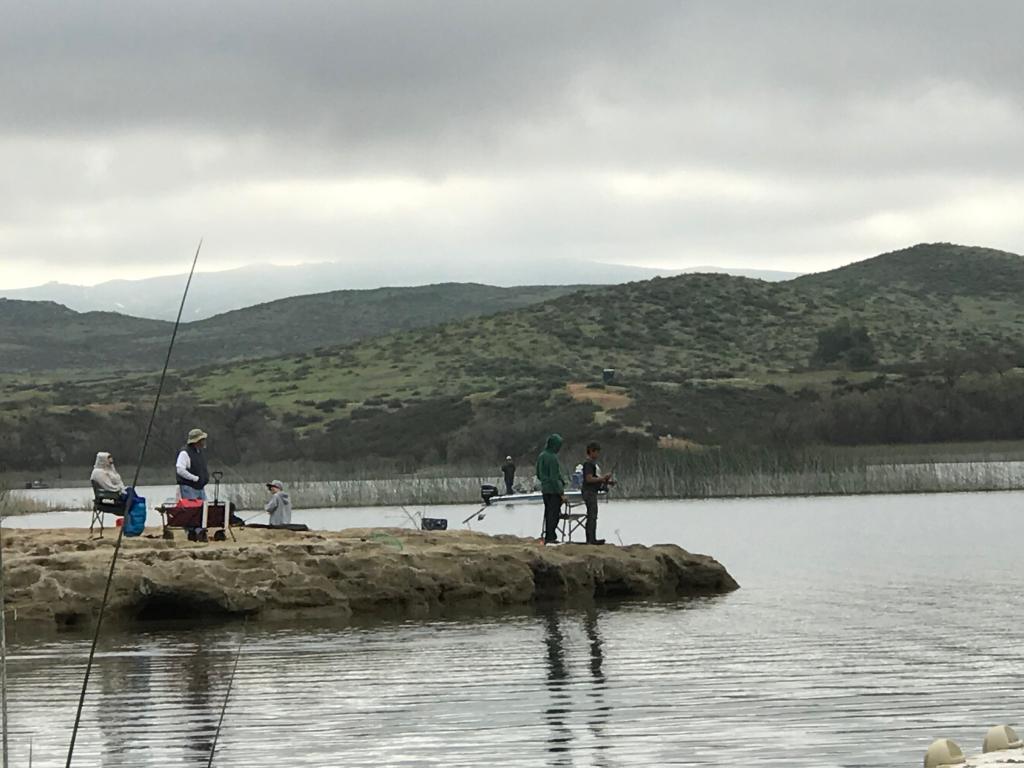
{"x":39,"y":336}
{"x":909,"y":298}
{"x":768,"y":275}
{"x":213,"y":293}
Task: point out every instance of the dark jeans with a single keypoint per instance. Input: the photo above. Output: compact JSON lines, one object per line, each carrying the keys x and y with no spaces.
{"x":590,"y":499}
{"x":508,"y":485}
{"x":552,"y":511}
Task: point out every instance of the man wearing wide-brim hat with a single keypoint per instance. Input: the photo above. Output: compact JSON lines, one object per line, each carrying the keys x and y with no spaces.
{"x":191,"y":471}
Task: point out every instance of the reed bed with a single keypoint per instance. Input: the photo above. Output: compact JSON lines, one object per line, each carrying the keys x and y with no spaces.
{"x":656,"y":475}
{"x":721,"y":477}
{"x":396,"y":491}
{"x":654,"y":478}
{"x":12,"y":505}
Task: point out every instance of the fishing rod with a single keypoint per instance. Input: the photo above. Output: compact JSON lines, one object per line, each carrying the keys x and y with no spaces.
{"x":128,"y":501}
{"x":227,"y":695}
{"x":479,"y":515}
{"x":3,"y":643}
{"x":409,"y":515}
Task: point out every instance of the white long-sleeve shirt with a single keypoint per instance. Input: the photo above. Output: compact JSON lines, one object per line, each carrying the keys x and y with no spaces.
{"x":182,"y":466}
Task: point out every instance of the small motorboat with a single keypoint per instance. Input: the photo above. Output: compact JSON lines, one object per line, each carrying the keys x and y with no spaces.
{"x":34,"y":485}
{"x":569,"y":521}
{"x":490,"y":496}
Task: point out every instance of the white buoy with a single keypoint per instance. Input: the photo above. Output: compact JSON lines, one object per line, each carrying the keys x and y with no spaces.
{"x":943,"y":753}
{"x":1000,"y":737}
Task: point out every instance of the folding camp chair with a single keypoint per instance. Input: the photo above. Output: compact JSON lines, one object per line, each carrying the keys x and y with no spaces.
{"x":104,"y":503}
{"x":569,"y":522}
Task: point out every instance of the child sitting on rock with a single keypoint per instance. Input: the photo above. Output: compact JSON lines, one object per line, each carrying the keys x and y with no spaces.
{"x":279,"y":506}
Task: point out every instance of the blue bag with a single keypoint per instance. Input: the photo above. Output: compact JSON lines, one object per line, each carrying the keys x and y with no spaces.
{"x":135,"y":519}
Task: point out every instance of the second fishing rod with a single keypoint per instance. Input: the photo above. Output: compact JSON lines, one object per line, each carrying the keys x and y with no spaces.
{"x":120,"y":536}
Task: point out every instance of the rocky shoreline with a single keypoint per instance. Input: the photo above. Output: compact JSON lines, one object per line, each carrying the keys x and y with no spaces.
{"x":57,"y":577}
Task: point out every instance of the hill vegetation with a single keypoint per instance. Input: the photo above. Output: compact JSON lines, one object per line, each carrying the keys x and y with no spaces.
{"x":43,"y":336}
{"x":875,"y":352}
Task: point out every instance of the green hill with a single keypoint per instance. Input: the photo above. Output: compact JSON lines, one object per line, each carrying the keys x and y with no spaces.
{"x":669,"y":330}
{"x":41,"y":336}
{"x":700,"y":360}
{"x":940,"y":269}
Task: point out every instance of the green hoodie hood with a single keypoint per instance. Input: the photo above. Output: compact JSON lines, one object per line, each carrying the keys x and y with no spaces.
{"x":549,"y":473}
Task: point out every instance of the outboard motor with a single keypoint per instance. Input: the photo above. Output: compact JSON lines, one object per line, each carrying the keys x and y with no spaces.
{"x":488,"y":492}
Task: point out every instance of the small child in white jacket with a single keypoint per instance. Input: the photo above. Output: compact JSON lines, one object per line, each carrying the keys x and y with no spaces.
{"x":279,"y":506}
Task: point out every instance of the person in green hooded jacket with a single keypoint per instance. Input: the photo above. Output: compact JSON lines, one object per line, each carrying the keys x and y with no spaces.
{"x":552,"y":486}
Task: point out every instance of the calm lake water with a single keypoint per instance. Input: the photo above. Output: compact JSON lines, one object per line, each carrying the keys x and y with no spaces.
{"x":866,"y":627}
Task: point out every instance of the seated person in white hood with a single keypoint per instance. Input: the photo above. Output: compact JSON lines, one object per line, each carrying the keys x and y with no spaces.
{"x":104,"y":475}
{"x":279,"y":506}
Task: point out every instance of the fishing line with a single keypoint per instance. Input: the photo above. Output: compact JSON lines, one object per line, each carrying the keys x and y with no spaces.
{"x":227,"y":695}
{"x":127,"y":503}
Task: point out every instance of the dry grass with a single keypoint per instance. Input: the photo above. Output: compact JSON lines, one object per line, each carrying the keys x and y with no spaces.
{"x":608,"y":398}
{"x":679,"y":444}
{"x":13,"y":505}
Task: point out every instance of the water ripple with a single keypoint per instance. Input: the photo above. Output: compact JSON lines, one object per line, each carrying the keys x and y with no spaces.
{"x":865,"y":628}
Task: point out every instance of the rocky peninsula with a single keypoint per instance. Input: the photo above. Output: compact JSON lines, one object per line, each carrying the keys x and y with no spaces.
{"x":57,"y":576}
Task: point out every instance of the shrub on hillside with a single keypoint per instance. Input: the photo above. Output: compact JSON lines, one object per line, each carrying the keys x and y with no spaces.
{"x":845,"y":344}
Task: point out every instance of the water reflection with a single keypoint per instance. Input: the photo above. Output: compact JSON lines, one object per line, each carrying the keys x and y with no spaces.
{"x":124,"y":679}
{"x":600,"y":710}
{"x":562,"y":711}
{"x":557,"y":712}
{"x":198,"y":675}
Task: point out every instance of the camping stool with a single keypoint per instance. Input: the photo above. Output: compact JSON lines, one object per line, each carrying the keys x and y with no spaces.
{"x":570,"y":522}
{"x":104,"y":503}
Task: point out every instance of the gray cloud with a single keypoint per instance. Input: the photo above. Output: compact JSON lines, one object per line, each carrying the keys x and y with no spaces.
{"x":793,"y":135}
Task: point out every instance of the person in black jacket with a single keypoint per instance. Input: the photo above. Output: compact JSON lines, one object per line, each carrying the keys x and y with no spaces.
{"x":191,"y":471}
{"x":508,"y":469}
{"x":592,"y":483}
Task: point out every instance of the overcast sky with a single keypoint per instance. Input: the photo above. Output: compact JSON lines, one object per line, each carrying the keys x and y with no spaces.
{"x":776,"y":135}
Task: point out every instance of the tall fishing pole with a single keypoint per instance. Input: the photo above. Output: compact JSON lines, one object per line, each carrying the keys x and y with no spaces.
{"x":227,"y":695}
{"x":128,"y":501}
{"x":3,"y":642}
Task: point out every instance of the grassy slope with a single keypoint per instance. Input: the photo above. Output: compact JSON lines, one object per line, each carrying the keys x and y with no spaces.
{"x":670,"y":331}
{"x":39,"y":336}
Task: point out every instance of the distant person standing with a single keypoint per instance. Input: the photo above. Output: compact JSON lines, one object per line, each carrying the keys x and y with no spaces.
{"x":191,"y":471}
{"x":280,"y":505}
{"x":552,"y":486}
{"x":508,"y":469}
{"x":592,"y":483}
